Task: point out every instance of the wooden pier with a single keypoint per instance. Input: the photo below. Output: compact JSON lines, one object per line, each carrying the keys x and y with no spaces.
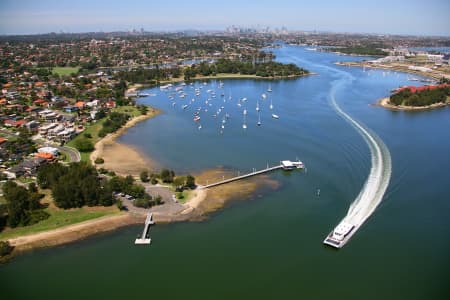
{"x":285,"y":165}
{"x":145,"y":239}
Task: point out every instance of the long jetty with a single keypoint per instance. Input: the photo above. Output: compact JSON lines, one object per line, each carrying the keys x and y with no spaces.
{"x":286,"y":165}
{"x":144,"y":240}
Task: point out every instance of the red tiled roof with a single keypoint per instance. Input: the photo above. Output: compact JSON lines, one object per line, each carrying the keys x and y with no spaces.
{"x":414,"y":89}
{"x":44,"y":155}
{"x":79,"y":104}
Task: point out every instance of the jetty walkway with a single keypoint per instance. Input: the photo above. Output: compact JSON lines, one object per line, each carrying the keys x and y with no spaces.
{"x":145,"y":239}
{"x":285,"y":165}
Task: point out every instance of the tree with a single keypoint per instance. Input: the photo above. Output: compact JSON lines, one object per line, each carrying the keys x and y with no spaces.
{"x":84,"y":145}
{"x":190,"y":182}
{"x":17,"y":203}
{"x":167,"y":175}
{"x":5,"y":248}
{"x":144,"y":176}
{"x":23,"y":205}
{"x":49,"y":174}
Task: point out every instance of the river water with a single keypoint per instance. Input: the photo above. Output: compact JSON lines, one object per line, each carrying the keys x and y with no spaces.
{"x":270,"y":247}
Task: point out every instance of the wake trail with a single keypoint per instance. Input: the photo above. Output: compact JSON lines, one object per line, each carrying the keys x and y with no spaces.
{"x":379,"y":176}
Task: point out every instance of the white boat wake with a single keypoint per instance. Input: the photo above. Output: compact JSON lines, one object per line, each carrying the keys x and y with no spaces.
{"x":377,"y":182}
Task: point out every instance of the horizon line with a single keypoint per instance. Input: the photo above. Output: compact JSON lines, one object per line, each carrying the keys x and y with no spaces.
{"x":292,"y":31}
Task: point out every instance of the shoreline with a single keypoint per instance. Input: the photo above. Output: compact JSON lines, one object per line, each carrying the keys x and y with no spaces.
{"x":70,"y":233}
{"x":200,"y":204}
{"x":385,"y":102}
{"x":392,"y":68}
{"x":110,"y":141}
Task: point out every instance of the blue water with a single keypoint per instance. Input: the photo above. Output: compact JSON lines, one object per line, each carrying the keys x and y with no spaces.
{"x":270,"y":247}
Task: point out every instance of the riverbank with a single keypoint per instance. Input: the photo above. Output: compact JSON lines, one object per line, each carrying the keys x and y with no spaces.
{"x":71,"y":233}
{"x":233,"y":76}
{"x":435,"y":75}
{"x":385,"y":102}
{"x":120,"y":158}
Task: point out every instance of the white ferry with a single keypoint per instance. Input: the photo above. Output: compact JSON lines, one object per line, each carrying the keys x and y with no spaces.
{"x":337,"y":238}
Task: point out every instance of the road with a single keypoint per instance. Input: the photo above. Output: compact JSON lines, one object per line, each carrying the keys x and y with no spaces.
{"x":72,"y":152}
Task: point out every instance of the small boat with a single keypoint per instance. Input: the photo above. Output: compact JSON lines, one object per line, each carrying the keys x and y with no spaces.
{"x":199,"y":127}
{"x":269,"y":89}
{"x":185,"y":106}
{"x":259,"y":120}
{"x":244,"y":126}
{"x":275,"y":116}
{"x":257,"y":105}
{"x":244,"y":112}
{"x":196,"y":118}
{"x":263,"y":96}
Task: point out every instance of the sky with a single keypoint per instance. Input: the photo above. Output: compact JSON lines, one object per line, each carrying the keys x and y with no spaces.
{"x":414,"y":17}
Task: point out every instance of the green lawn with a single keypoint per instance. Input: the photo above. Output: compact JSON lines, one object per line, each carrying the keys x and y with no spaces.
{"x":95,"y":128}
{"x":59,"y":218}
{"x":130,"y":110}
{"x":65,"y":70}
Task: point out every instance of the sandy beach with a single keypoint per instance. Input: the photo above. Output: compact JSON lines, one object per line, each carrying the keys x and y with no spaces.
{"x":120,"y":158}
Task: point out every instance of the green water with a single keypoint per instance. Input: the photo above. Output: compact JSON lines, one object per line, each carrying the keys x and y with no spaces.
{"x":270,"y":247}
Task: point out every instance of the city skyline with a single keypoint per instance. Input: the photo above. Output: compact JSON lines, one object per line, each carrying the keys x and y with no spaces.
{"x":383,"y":17}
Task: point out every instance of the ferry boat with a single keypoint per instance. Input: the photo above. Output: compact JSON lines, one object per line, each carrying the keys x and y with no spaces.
{"x":338,"y":237}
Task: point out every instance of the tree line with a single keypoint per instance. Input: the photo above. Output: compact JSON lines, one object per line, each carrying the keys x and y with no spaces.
{"x":75,"y":185}
{"x":23,"y":205}
{"x":227,"y":66}
{"x":147,"y":75}
{"x":113,"y":122}
{"x":168,"y":176}
{"x":420,"y":98}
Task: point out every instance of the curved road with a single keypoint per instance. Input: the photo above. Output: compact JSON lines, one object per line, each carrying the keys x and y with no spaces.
{"x":72,"y":152}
